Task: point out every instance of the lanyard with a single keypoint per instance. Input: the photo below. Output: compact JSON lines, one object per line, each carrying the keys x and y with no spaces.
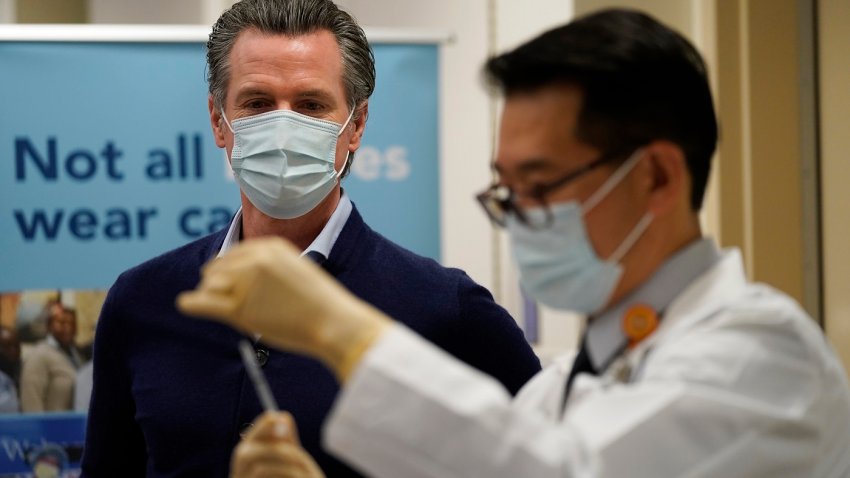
{"x":639,"y":322}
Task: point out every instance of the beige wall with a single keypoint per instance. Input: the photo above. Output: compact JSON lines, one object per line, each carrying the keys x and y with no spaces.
{"x":834,"y":40}
{"x":51,"y":11}
{"x":7,"y":11}
{"x":676,"y":13}
{"x":147,"y":11}
{"x":760,"y":151}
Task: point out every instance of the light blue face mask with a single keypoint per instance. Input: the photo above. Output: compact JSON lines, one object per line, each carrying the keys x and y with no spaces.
{"x":284,"y":161}
{"x":558,"y":265}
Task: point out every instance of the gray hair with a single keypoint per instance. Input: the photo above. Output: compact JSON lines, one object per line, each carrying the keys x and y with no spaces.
{"x":292,"y":17}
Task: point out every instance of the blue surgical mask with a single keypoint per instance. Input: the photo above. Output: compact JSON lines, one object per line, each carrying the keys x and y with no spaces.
{"x":558,"y":266}
{"x":284,"y":161}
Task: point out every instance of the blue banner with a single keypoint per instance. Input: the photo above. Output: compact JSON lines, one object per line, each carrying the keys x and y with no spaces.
{"x":107,"y":159}
{"x":41,"y":444}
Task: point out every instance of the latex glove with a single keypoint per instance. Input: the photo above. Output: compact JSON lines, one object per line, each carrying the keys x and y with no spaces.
{"x":264,"y":286}
{"x":271,"y":449}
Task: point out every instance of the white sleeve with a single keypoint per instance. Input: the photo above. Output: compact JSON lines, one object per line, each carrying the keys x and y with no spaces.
{"x":412,"y":410}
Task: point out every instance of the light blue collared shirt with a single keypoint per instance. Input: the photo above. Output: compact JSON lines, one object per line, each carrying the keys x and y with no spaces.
{"x":605,"y":338}
{"x":323,"y":243}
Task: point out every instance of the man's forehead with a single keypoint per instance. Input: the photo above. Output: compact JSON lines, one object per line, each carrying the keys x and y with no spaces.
{"x":309,"y":64}
{"x":537,"y":131}
{"x":284,"y":42}
{"x":316,"y":51}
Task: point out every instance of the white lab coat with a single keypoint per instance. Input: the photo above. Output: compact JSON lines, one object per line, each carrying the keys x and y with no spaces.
{"x":736,"y":382}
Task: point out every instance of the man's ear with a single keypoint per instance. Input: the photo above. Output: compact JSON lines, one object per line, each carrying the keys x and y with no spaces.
{"x":668,"y":180}
{"x":359,"y":124}
{"x":217,"y":122}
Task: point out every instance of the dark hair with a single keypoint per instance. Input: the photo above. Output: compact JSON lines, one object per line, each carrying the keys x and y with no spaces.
{"x":292,"y":17}
{"x":640,"y":82}
{"x":65,"y":310}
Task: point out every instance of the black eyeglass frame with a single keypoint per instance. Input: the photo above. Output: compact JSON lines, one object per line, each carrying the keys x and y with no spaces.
{"x":499,"y":200}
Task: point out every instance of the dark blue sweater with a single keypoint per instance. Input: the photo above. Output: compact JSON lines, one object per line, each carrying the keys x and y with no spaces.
{"x":171,"y":396}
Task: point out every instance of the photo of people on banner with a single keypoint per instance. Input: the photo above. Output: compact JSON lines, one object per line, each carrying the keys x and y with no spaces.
{"x":46,"y":372}
{"x":45,"y":350}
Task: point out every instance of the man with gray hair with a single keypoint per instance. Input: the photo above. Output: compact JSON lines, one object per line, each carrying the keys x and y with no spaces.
{"x":289,"y":84}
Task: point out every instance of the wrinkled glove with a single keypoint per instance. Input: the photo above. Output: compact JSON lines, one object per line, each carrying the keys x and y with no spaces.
{"x":264,"y":286}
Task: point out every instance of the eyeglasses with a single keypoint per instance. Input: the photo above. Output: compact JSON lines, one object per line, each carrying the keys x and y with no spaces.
{"x":499,"y":200}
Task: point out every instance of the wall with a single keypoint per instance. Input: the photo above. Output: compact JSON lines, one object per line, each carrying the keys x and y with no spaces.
{"x":766,"y":162}
{"x":203,"y":12}
{"x":834,"y":40}
{"x":51,"y":11}
{"x":676,"y":13}
{"x":468,"y":122}
{"x":7,"y":11}
{"x":148,"y":11}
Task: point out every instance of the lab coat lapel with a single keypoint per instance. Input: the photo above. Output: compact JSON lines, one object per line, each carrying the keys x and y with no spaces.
{"x":709,"y":293}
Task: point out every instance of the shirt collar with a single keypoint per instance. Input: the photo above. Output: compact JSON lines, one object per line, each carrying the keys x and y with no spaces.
{"x":322,"y":244}
{"x":605,"y":337}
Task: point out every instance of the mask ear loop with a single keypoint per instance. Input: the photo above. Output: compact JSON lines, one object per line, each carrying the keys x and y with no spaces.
{"x":343,"y":172}
{"x":603,"y":191}
{"x":224,"y":117}
{"x":345,"y":125}
{"x":611,"y":182}
{"x":227,"y":156}
{"x":632,"y":238}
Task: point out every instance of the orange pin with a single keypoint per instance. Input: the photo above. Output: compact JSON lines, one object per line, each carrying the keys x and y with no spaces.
{"x":639,"y":322}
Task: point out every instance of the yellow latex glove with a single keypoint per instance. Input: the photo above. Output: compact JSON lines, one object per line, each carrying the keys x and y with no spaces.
{"x":264,"y":286}
{"x":271,"y":450}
